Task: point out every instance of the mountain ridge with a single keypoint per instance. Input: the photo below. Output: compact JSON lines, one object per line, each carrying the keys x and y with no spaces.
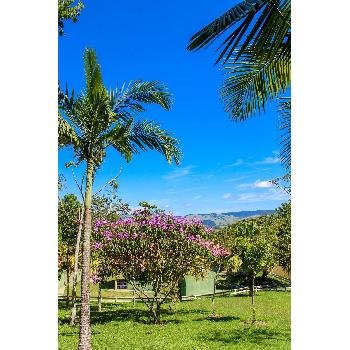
{"x":216,"y":220}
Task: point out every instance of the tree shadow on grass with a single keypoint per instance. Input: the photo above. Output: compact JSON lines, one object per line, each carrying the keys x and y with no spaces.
{"x":134,"y":315}
{"x":258,"y":336}
{"x":218,"y":318}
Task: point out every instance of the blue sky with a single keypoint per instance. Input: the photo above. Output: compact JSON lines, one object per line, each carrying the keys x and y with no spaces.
{"x":226,"y":165}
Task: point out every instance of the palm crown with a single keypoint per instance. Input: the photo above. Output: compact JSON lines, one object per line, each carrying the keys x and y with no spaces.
{"x":98,"y":118}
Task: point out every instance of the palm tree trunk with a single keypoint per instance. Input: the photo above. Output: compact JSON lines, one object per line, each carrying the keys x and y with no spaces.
{"x":85,"y":327}
{"x":76,"y":265}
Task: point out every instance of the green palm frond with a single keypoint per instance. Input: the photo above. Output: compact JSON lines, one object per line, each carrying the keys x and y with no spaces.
{"x":265,"y":27}
{"x":66,"y":134}
{"x":284,"y":125}
{"x":93,"y":75}
{"x":251,"y":83}
{"x":216,"y":28}
{"x":128,"y":100}
{"x":132,"y":137}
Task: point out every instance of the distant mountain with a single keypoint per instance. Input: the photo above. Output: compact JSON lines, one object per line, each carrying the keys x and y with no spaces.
{"x":222,"y":219}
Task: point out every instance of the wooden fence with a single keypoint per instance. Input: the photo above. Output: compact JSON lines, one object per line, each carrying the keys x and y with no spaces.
{"x":227,"y":292}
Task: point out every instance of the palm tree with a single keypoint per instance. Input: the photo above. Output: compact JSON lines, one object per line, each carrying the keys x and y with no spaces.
{"x":256,"y":55}
{"x":96,"y":120}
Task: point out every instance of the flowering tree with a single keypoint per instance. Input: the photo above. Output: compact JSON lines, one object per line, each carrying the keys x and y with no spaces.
{"x":106,"y":206}
{"x":155,"y":249}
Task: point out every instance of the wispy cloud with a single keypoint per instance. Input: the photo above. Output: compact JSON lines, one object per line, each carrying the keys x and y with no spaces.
{"x":232,"y":179}
{"x":197,"y":197}
{"x":227,"y":195}
{"x":180,"y":172}
{"x":257,"y":184}
{"x":269,"y":160}
{"x":236,"y":163}
{"x":269,"y":195}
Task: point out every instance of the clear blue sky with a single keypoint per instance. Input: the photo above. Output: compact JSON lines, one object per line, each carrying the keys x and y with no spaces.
{"x":226,"y":164}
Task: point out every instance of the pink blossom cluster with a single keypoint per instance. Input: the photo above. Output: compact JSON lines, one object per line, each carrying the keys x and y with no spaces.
{"x":138,"y":227}
{"x":95,"y":278}
{"x":215,"y":249}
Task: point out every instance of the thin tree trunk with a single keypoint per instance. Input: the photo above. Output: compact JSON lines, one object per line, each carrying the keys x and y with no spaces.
{"x":214,"y":289}
{"x":76,"y":265}
{"x":99,"y":297}
{"x":85,"y":327}
{"x":67,"y":294}
{"x":179,"y":290}
{"x":251,"y":277}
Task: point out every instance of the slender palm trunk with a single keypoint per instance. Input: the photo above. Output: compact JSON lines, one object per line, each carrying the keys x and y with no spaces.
{"x":76,"y":265}
{"x":85,"y":327}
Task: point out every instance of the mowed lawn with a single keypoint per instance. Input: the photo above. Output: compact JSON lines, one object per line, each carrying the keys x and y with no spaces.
{"x":187,"y":325}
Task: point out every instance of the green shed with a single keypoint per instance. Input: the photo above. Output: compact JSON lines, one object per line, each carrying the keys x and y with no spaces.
{"x":191,"y":286}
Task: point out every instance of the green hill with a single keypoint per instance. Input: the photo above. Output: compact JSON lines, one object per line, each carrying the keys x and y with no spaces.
{"x":222,"y":219}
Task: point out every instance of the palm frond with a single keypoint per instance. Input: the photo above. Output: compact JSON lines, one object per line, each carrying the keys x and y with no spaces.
{"x":284,"y":125}
{"x":265,"y":28}
{"x":93,"y":75}
{"x":131,"y":137}
{"x":127,"y":100}
{"x":250,"y":84}
{"x":66,"y":134}
{"x":216,"y":28}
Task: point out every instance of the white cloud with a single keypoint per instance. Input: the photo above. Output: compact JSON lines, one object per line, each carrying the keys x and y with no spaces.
{"x":197,"y":197}
{"x":227,"y":195}
{"x":257,"y":184}
{"x":180,"y":172}
{"x":262,"y":184}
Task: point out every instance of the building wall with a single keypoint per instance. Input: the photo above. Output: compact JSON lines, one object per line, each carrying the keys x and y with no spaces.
{"x":192,"y":286}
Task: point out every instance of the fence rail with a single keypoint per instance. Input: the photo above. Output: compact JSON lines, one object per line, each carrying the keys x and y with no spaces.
{"x":228,"y":292}
{"x":235,"y":291}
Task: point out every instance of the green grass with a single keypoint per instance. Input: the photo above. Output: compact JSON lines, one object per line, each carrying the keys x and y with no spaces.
{"x":188,"y":325}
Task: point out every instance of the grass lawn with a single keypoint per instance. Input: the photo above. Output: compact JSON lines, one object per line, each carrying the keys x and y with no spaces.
{"x":187,"y":325}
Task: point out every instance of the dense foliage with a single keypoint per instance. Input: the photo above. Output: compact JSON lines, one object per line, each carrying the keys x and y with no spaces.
{"x":252,"y":243}
{"x":69,"y":209}
{"x":68,"y":11}
{"x":284,"y":228}
{"x":155,"y":249}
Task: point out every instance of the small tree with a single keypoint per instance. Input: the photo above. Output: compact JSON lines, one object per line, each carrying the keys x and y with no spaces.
{"x":283,"y":227}
{"x":252,"y":243}
{"x":155,"y":249}
{"x":68,"y":223}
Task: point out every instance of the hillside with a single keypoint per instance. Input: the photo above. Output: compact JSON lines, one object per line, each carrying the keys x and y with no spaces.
{"x":222,"y":219}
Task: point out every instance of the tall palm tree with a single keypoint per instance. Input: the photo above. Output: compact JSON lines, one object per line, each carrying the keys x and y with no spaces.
{"x":256,"y":55}
{"x":96,"y":120}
